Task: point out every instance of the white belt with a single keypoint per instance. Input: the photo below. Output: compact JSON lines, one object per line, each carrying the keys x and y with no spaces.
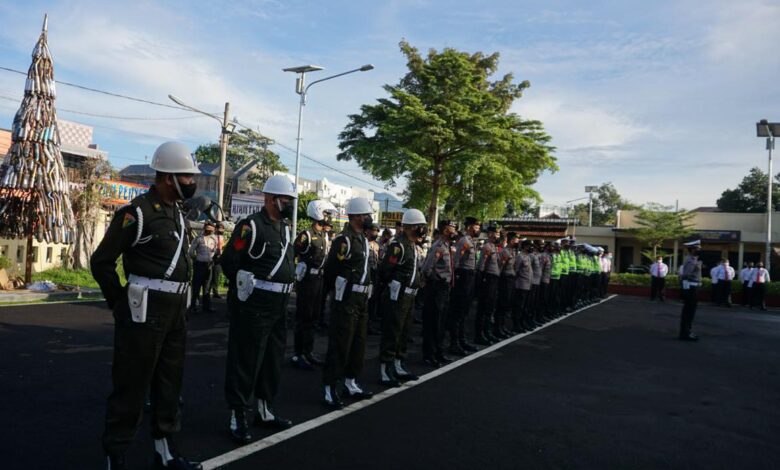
{"x":161,"y":285}
{"x":273,"y":286}
{"x":410,"y":291}
{"x":360,"y":289}
{"x":315,"y":271}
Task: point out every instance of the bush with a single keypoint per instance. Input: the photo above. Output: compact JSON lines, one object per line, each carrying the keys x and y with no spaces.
{"x":5,"y":263}
{"x":73,"y":277}
{"x":673,"y":282}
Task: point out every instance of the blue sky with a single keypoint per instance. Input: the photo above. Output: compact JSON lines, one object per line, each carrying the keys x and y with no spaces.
{"x":660,"y":98}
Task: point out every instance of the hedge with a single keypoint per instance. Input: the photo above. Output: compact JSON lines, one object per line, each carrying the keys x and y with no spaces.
{"x":672,"y":281}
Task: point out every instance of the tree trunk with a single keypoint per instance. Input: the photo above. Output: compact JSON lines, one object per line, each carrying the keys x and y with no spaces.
{"x":28,"y":260}
{"x":84,"y":244}
{"x":436,"y":183}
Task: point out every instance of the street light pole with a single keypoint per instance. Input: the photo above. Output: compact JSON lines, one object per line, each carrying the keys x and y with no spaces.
{"x":302,"y":89}
{"x":589,"y":190}
{"x":768,"y":130}
{"x":227,"y":128}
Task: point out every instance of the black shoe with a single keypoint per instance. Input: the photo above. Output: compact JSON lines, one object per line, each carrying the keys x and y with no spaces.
{"x":277,"y":422}
{"x":314,"y":359}
{"x":177,"y":463}
{"x":216,"y":296}
{"x":482,"y":341}
{"x":239,"y":429}
{"x":689,"y":337}
{"x":361,"y":395}
{"x":468,"y":347}
{"x":443,"y":360}
{"x":457,"y":350}
{"x":491,"y":337}
{"x":300,"y":362}
{"x":116,"y":462}
{"x":405,"y":376}
{"x":432,"y":362}
{"x":335,"y":402}
{"x":389,"y":378}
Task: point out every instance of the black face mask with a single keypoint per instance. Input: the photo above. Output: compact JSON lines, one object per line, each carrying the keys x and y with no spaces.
{"x":186,"y":191}
{"x":285,"y":208}
{"x":421,"y":231}
{"x":368,"y":221}
{"x":371,"y":237}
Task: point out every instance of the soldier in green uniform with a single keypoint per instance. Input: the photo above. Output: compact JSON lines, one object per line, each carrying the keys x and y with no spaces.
{"x":149,"y":312}
{"x":400,"y":270}
{"x":347,"y":274}
{"x":311,"y":247}
{"x":258,"y":262}
{"x":555,"y":278}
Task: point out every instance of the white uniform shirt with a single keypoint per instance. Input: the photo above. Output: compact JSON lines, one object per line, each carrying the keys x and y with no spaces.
{"x":714,"y":274}
{"x":725,"y":272}
{"x":759,"y":276}
{"x":745,"y":274}
{"x":606,"y":264}
{"x":659,"y":269}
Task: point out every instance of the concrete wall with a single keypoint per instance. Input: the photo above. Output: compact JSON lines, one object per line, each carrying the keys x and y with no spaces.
{"x":752,"y":226}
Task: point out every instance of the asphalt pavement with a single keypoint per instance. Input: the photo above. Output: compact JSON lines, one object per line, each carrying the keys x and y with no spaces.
{"x":609,"y":387}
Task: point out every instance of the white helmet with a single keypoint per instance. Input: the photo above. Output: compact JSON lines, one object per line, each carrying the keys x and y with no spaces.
{"x":280,"y":185}
{"x":317,"y":208}
{"x":359,"y":205}
{"x":413,"y":217}
{"x":174,"y":157}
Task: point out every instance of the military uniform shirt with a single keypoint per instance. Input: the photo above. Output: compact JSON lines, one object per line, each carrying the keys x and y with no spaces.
{"x":465,"y":254}
{"x":148,"y":253}
{"x":546,"y":262}
{"x":489,"y":261}
{"x":691,"y":269}
{"x":507,"y":260}
{"x":438,"y":262}
{"x":311,"y":246}
{"x":536,"y":269}
{"x":401,"y":262}
{"x":204,"y":248}
{"x":348,"y":257}
{"x":523,"y":271}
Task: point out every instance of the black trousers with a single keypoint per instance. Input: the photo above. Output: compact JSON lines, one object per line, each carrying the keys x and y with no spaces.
{"x":657,"y":285}
{"x":757,"y":294}
{"x":746,"y":292}
{"x":346,"y":337}
{"x":216,"y":277}
{"x":506,"y":297}
{"x":487,"y":303}
{"x":460,"y":303}
{"x":725,"y":292}
{"x":435,"y":313}
{"x":308,"y":308}
{"x":604,"y":284}
{"x":396,"y":325}
{"x":147,"y":357}
{"x":201,"y":281}
{"x":552,"y":296}
{"x":256,"y":341}
{"x":520,"y":308}
{"x":690,"y":302}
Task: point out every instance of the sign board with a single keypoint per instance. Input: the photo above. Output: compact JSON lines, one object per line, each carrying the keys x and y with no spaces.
{"x":121,"y":192}
{"x":390,"y":218}
{"x":717,"y":236}
{"x":242,"y":205}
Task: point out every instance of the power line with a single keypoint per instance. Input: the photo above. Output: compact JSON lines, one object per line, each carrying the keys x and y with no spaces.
{"x":109,"y":116}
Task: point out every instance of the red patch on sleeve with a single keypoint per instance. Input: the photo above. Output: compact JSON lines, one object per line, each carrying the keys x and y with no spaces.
{"x":239,"y":244}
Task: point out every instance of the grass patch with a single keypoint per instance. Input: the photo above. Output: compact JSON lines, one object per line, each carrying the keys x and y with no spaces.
{"x":73,"y":277}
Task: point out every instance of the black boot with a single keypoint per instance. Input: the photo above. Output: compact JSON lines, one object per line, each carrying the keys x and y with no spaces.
{"x":401,"y":373}
{"x":174,"y":461}
{"x":116,"y":462}
{"x":265,"y":416}
{"x":332,"y":399}
{"x":239,"y":429}
{"x":387,"y":375}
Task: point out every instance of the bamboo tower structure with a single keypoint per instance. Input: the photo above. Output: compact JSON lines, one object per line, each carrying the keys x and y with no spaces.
{"x":34,"y":190}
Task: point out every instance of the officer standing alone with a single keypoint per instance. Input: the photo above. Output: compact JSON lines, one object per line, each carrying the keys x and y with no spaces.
{"x":258,"y":261}
{"x":691,"y":280}
{"x":203,"y":249}
{"x":149,"y":312}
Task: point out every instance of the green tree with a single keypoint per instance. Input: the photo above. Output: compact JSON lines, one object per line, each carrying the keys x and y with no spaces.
{"x":446,"y":127}
{"x":750,"y":194}
{"x":304,"y":222}
{"x":661,"y":223}
{"x":86,"y":198}
{"x":245,"y":146}
{"x":606,"y":202}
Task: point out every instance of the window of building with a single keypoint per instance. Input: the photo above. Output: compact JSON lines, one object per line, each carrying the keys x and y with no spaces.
{"x":19,"y":254}
{"x":49,"y":254}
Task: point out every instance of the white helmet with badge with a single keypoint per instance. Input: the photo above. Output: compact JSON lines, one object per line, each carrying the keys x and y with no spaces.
{"x":413,"y":217}
{"x":318,"y":209}
{"x":174,"y":157}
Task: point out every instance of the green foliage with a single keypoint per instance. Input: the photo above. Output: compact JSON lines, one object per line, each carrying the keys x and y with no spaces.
{"x":660,"y":223}
{"x":750,"y":194}
{"x":73,"y":277}
{"x":5,"y":263}
{"x":446,"y":127}
{"x":606,"y":202}
{"x":304,"y":222}
{"x":245,"y":146}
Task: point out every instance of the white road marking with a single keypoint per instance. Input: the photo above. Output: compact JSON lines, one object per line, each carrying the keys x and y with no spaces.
{"x":257,"y":446}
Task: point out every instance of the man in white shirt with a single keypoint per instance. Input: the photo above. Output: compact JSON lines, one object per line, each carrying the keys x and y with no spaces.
{"x":724,"y":274}
{"x":658,"y":272}
{"x":606,"y":269}
{"x":715,"y":287}
{"x":758,"y":282}
{"x":745,"y":276}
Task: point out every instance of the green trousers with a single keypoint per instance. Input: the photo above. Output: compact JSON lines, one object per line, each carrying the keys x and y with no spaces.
{"x":148,"y":358}
{"x":256,"y":340}
{"x":396,"y":325}
{"x":346,"y":338}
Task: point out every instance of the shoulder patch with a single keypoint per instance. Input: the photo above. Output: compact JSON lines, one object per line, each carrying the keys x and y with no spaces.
{"x":128,"y":220}
{"x":157,"y":207}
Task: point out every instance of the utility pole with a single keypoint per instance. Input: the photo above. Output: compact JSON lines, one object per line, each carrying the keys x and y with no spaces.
{"x":223,"y":144}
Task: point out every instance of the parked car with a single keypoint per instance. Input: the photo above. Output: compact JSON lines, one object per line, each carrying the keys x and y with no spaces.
{"x":638,"y":269}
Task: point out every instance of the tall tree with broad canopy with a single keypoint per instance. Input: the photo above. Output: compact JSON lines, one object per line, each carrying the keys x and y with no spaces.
{"x":448,"y":129}
{"x":658,"y":223}
{"x":750,"y":194}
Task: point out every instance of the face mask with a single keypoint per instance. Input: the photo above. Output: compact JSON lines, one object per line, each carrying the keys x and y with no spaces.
{"x":421,"y":231}
{"x":186,"y":191}
{"x":368,"y":221}
{"x":285,"y":208}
